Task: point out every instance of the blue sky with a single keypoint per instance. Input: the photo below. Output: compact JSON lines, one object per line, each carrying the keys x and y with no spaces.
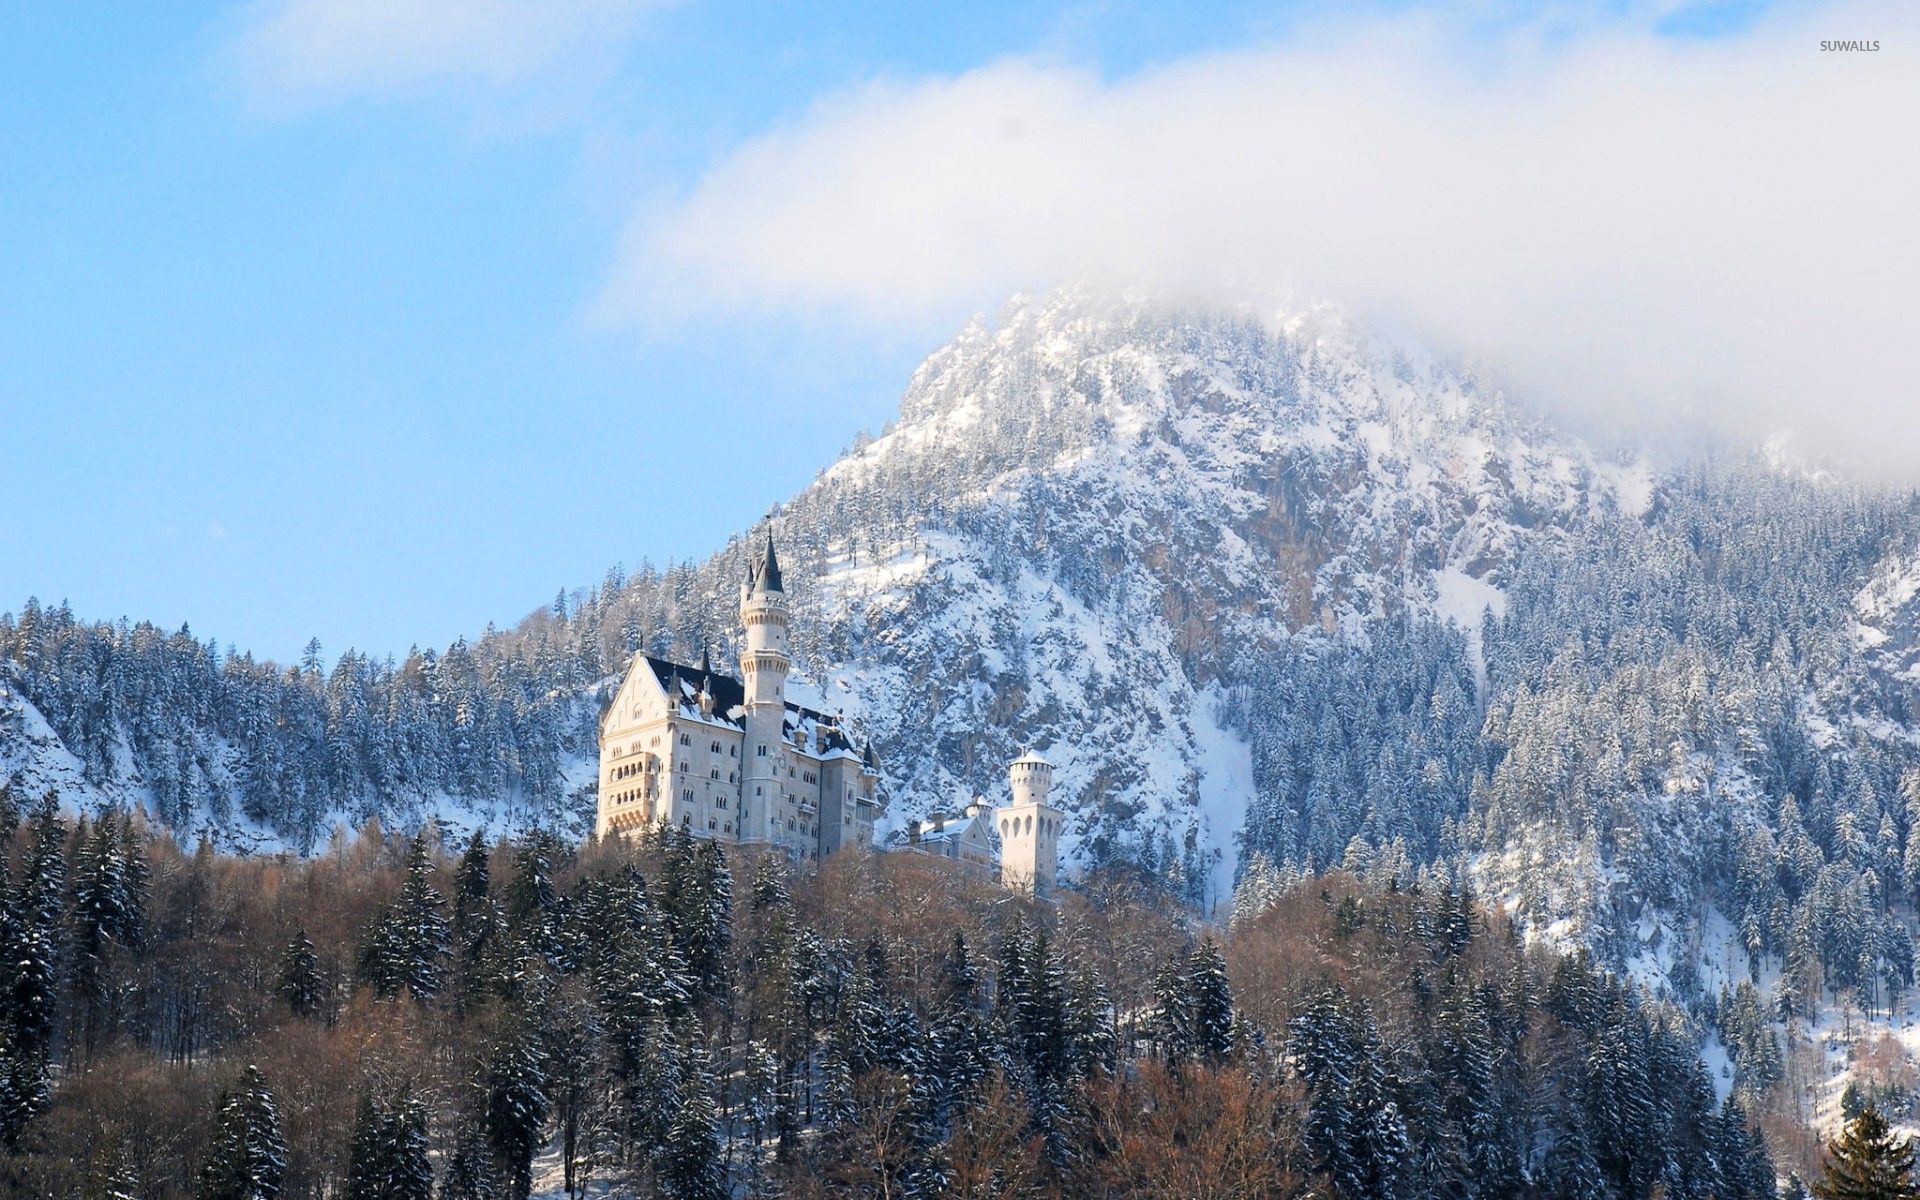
{"x":333,"y":368}
{"x":303,"y":337}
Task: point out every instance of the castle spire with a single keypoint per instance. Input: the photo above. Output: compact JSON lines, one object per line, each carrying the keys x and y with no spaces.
{"x":767,"y":576}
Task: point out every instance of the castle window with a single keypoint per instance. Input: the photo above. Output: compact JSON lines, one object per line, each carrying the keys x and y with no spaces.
{"x":683,"y":765}
{"x":762,"y":750}
{"x":757,"y":790}
{"x":685,"y":740}
{"x":720,"y":803}
{"x":716,"y":747}
{"x":687,"y":794}
{"x":733,"y":752}
{"x":712,"y":824}
{"x":789,"y":822}
{"x":729,"y":827}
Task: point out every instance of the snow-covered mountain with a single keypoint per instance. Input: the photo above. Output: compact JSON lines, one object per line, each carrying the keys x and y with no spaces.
{"x":1274,"y":592}
{"x":1111,"y":516}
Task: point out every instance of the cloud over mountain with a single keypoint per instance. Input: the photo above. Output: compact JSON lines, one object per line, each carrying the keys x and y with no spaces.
{"x":1628,"y":222}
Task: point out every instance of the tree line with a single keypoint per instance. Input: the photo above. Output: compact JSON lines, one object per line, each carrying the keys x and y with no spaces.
{"x":413,"y":1016}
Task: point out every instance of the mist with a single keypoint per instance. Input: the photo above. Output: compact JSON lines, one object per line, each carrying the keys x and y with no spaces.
{"x":1635,"y":227}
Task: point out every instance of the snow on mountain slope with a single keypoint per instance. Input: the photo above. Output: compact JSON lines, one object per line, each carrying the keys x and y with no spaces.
{"x":1097,"y":512}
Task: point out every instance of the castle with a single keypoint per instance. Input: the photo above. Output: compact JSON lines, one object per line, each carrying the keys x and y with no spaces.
{"x":736,"y":761}
{"x":1028,"y":831}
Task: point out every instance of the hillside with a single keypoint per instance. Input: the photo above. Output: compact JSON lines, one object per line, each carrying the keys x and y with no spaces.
{"x":1261,"y":585}
{"x":655,"y":1018}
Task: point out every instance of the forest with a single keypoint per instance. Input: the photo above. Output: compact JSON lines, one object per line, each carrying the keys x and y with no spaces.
{"x":423,"y":1015}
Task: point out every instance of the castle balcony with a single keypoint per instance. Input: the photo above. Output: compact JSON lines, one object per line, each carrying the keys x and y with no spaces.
{"x":808,"y":807}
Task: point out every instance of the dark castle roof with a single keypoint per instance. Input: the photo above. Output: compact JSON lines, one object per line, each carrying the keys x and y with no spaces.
{"x":730,"y":698}
{"x":766,"y":576}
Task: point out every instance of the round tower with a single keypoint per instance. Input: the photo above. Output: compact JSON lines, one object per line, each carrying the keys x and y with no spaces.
{"x":1029,"y":827}
{"x":764,"y":664}
{"x":1030,"y":776}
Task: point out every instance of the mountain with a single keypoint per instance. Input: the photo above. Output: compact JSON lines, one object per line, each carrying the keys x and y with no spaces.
{"x":1275,"y":592}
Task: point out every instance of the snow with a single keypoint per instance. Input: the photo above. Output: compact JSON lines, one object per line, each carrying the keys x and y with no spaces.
{"x":1226,"y":787}
{"x":1632,"y":485}
{"x":1464,"y":600}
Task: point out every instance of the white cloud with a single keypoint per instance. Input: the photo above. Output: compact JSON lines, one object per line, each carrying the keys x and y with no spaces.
{"x":1625,"y":221}
{"x":307,"y":52}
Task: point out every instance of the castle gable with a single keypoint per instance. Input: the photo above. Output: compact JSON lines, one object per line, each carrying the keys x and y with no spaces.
{"x":631,"y":698}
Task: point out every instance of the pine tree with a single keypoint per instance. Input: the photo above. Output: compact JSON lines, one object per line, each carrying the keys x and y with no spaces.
{"x":1172,"y":1018}
{"x":247,"y":1159}
{"x":29,"y":941}
{"x":1323,"y":1046}
{"x":35,"y":921}
{"x":689,"y":1162}
{"x":407,"y":946}
{"x":517,"y":1102}
{"x":389,"y":1156}
{"x":1867,"y":1162}
{"x":472,"y":881}
{"x":1209,"y":1002}
{"x":367,"y":1154}
{"x":300,"y":983}
{"x":136,"y":882}
{"x":422,"y":916}
{"x":470,"y":1173}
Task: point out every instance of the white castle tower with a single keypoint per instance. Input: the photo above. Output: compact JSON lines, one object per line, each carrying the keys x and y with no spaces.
{"x":763,"y":673}
{"x":1029,"y":827}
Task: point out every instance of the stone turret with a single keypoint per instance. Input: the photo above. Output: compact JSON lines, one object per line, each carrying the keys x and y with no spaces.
{"x":1029,"y":827}
{"x":764,"y":664}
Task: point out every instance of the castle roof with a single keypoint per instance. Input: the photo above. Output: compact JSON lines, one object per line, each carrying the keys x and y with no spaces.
{"x":766,"y":576}
{"x":1031,"y":757}
{"x":682,"y":685}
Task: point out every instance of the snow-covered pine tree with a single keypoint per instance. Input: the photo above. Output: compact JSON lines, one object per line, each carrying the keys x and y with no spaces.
{"x":689,"y":1164}
{"x":1209,"y":1004}
{"x":1868,"y":1161}
{"x":389,"y":1155}
{"x":517,"y":1100}
{"x":247,"y":1158}
{"x":470,"y":1174}
{"x":300,"y":982}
